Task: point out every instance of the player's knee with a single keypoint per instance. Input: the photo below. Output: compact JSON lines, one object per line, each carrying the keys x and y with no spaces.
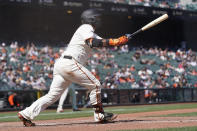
{"x":53,"y":95}
{"x":97,"y":84}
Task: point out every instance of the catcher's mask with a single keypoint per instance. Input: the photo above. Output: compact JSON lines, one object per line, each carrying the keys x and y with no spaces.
{"x":92,"y":17}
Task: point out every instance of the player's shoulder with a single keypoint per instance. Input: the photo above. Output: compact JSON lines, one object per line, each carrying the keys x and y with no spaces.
{"x":86,"y":27}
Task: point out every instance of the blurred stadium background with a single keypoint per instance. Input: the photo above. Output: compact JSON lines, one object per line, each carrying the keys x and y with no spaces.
{"x":157,"y":66}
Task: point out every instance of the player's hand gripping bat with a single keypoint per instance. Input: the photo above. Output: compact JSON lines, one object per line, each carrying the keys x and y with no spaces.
{"x":149,"y":25}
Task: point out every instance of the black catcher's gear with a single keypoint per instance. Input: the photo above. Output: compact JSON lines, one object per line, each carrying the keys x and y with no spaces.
{"x":92,"y":17}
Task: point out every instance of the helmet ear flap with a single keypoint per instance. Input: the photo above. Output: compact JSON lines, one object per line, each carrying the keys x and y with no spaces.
{"x":92,"y":20}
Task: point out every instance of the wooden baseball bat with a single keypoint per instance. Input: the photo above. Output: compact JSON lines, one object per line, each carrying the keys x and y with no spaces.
{"x":149,"y":25}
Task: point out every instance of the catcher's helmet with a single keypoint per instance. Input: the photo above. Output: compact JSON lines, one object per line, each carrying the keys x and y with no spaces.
{"x":92,"y":17}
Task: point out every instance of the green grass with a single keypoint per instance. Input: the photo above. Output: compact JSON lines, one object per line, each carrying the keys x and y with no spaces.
{"x":149,"y":108}
{"x":51,"y":114}
{"x":47,"y":115}
{"x":180,"y":115}
{"x":167,"y":129}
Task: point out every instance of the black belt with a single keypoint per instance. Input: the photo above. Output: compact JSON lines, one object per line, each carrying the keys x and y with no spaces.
{"x":67,"y":57}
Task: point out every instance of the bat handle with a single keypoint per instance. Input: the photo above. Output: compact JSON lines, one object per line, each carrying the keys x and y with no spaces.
{"x":129,"y":36}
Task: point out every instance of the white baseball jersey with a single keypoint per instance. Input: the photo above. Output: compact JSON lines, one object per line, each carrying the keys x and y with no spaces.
{"x":77,"y":47}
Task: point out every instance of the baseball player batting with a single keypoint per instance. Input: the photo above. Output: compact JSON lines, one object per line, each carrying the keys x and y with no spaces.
{"x":69,"y":68}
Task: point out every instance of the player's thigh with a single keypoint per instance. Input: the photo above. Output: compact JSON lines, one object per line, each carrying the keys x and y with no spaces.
{"x":83,"y":76}
{"x":75,"y":72}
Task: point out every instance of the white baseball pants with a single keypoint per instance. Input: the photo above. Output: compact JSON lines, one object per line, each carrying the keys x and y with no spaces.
{"x":65,"y":72}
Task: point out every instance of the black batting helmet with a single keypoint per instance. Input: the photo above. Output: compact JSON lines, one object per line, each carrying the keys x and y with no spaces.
{"x":92,"y":17}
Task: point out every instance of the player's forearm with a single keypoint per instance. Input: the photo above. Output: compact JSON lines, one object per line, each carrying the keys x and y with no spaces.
{"x":118,"y":41}
{"x":93,"y":42}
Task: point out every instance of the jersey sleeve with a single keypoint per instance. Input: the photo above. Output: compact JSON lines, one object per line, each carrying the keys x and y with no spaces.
{"x":97,"y":37}
{"x":86,"y":31}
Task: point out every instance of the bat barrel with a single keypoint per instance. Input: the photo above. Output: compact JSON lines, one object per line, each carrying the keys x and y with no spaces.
{"x":155,"y":22}
{"x":149,"y":25}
